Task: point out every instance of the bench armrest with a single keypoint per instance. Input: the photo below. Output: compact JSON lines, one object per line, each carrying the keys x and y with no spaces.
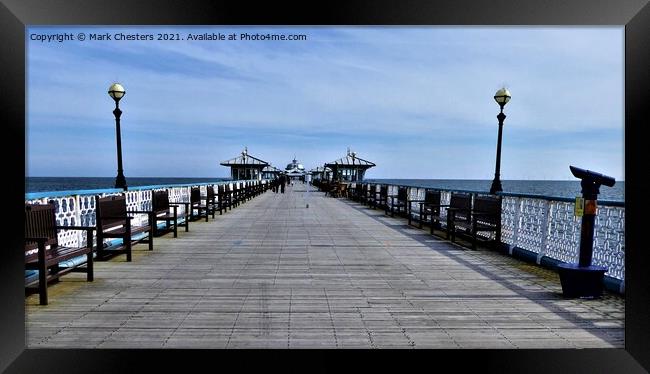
{"x":454,"y":209}
{"x":140,"y":211}
{"x":433,"y":204}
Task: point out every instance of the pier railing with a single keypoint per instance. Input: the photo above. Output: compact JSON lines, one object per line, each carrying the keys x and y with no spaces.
{"x":77,"y":207}
{"x":545,"y":229}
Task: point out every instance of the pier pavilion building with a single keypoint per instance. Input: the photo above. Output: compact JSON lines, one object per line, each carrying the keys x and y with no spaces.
{"x":321,"y":173}
{"x":295,"y":170}
{"x":270,"y":172}
{"x":246,"y":167}
{"x":349,"y":168}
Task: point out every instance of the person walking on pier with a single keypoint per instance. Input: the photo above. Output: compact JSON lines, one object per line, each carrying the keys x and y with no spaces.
{"x":282,"y":183}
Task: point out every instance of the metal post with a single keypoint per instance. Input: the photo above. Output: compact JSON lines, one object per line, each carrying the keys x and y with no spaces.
{"x":496,"y":183}
{"x":590,"y":194}
{"x":120,"y":181}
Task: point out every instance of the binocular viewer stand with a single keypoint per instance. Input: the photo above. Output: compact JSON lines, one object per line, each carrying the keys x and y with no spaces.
{"x":584,"y":279}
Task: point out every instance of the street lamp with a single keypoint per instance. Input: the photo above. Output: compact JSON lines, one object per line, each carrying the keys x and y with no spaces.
{"x":501,"y":97}
{"x":116,"y":91}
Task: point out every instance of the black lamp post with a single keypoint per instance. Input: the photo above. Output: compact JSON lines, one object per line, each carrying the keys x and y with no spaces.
{"x":116,"y":91}
{"x":501,"y":97}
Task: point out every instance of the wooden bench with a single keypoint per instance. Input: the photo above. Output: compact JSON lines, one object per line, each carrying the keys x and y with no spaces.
{"x":251,"y":190}
{"x":339,"y":189}
{"x":368,"y":194}
{"x":359,"y":192}
{"x":44,"y":254}
{"x":236,"y":195}
{"x":398,"y":201}
{"x":381,"y":197}
{"x":196,"y":203}
{"x":113,"y":221}
{"x":371,"y":195}
{"x":352,"y":191}
{"x":459,"y":212}
{"x":224,"y":198}
{"x":211,"y":199}
{"x":485,"y":216}
{"x":362,"y":192}
{"x":430,"y":208}
{"x":160,"y":206}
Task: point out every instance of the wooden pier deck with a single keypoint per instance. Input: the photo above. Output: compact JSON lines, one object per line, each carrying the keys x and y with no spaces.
{"x":275,"y":274}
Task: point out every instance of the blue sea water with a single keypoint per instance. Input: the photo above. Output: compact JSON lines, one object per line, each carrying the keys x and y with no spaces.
{"x":44,"y":184}
{"x":568,"y":189}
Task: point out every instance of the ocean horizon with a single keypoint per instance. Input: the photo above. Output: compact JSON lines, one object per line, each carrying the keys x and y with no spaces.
{"x":556,"y":188}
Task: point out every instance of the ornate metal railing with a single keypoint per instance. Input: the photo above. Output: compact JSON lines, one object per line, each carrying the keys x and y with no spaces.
{"x":546,"y":226}
{"x":78,"y":207}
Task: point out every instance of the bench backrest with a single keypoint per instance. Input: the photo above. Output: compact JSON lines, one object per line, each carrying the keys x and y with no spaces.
{"x":160,"y":201}
{"x":110,"y":206}
{"x":195,"y":195}
{"x":433,"y":197}
{"x":491,"y":205}
{"x":40,"y":222}
{"x":461,"y":201}
{"x":402,"y":194}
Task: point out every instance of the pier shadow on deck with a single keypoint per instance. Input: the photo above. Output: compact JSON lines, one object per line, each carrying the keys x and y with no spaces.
{"x":275,"y":274}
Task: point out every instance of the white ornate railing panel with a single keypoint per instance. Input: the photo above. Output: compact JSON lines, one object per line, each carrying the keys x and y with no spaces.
{"x":563,"y":236}
{"x":530,"y":230}
{"x":609,"y":240}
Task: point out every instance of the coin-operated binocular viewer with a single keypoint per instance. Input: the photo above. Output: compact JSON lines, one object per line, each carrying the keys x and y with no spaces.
{"x":584,"y":279}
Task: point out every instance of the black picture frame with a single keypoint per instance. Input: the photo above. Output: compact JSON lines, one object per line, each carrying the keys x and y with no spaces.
{"x":15,"y":15}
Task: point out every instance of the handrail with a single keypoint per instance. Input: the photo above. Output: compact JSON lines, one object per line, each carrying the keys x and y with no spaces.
{"x":512,"y":194}
{"x":43,"y":194}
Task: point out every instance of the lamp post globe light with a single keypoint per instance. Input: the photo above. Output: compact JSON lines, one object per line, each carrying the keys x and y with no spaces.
{"x":501,"y":97}
{"x":116,"y":91}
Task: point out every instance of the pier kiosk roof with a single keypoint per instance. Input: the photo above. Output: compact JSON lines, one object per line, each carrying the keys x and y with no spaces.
{"x":350,"y":168}
{"x":270,"y":172}
{"x":245,"y":166}
{"x":320,"y":172}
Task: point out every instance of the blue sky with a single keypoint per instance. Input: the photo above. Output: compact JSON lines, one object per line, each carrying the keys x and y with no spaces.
{"x":416,"y":101}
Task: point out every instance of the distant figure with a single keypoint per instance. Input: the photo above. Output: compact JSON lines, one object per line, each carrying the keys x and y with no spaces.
{"x":282,"y":183}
